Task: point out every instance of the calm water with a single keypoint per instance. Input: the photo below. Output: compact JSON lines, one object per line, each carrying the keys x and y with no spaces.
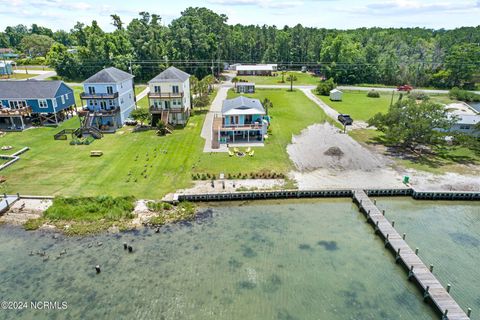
{"x":448,"y":236}
{"x":316,"y":260}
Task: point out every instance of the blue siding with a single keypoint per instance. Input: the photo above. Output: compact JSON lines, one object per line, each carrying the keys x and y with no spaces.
{"x":70,"y":98}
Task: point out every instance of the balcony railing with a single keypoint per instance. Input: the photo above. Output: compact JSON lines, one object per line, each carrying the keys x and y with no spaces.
{"x":85,"y":95}
{"x":7,"y":112}
{"x":100,"y":112}
{"x":246,"y":126}
{"x":154,"y":109}
{"x":165,"y":95}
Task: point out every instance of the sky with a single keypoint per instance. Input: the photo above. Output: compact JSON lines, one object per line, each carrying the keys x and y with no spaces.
{"x":340,"y":14}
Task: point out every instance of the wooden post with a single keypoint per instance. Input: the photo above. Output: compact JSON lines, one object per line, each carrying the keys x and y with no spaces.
{"x":426,"y":294}
{"x":448,"y":287}
{"x":403,"y":236}
{"x":431,"y":268}
{"x":410,"y":273}
{"x":393,"y":223}
{"x":469,"y":312}
{"x":416,"y":251}
{"x":383,"y":212}
{"x":397,"y":257}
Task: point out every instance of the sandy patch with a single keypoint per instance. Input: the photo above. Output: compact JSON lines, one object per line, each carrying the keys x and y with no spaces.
{"x":25,"y":209}
{"x":309,"y":151}
{"x":424,"y":181}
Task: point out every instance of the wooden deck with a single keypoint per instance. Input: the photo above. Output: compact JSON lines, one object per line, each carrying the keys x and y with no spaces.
{"x":432,"y":288}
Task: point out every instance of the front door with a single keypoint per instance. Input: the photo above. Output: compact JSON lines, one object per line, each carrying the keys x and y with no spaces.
{"x":167,"y":104}
{"x":103,"y":105}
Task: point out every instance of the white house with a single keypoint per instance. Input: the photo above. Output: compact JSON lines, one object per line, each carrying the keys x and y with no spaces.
{"x":109,"y":97}
{"x":336,"y":95}
{"x":169,"y":97}
{"x":467,"y":123}
{"x":256,"y":69}
{"x":245,"y":87}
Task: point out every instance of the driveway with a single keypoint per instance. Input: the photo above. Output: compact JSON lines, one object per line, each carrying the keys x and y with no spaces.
{"x":40,"y":74}
{"x":215,"y":108}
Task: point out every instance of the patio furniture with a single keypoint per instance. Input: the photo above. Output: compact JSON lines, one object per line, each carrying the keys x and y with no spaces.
{"x":96,"y":153}
{"x":248,"y":150}
{"x":236,"y":150}
{"x":251,"y":153}
{"x":230,"y":153}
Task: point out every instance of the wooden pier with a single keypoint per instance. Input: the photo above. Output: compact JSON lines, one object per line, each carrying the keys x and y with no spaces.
{"x":417,"y":271}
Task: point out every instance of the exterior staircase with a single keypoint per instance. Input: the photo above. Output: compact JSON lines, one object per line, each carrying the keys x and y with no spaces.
{"x":164,"y":119}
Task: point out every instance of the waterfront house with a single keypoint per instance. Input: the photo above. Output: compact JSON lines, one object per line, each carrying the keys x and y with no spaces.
{"x":42,"y":101}
{"x":109,"y":97}
{"x":245,"y":87}
{"x":467,"y":124}
{"x":169,"y":98}
{"x":336,"y":95}
{"x":256,"y":69}
{"x":242,"y":121}
{"x":6,"y":67}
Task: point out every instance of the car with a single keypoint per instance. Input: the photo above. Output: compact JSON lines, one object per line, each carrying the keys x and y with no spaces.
{"x":130,"y":122}
{"x":405,"y":87}
{"x":345,"y":119}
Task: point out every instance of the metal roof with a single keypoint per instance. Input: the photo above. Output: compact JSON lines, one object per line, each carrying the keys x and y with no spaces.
{"x":468,"y":119}
{"x":109,"y":75}
{"x":29,"y":89}
{"x":257,"y":67}
{"x":245,"y":84}
{"x":242,"y":105}
{"x":171,"y":74}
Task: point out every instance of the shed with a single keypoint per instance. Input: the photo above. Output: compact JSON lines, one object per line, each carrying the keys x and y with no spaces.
{"x":336,"y":95}
{"x":245,"y":87}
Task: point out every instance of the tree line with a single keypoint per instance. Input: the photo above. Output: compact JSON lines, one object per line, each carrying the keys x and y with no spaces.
{"x":200,"y":40}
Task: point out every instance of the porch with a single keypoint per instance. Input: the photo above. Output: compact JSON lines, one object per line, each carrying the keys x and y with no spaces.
{"x":15,"y":119}
{"x":106,"y":121}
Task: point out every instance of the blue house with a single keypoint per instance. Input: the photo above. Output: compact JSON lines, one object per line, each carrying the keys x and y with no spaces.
{"x":109,"y":98}
{"x":243,"y":120}
{"x":24,"y":102}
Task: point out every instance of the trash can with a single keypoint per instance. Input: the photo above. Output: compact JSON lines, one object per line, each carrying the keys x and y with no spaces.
{"x":406,"y":179}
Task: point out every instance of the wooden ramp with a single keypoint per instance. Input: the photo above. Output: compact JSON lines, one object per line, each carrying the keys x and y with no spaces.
{"x":432,"y":288}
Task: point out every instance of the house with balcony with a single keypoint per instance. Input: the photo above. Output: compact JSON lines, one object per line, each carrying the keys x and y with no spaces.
{"x":109,"y":98}
{"x":23,"y":103}
{"x":245,"y":87}
{"x":242,"y":121}
{"x":169,"y":98}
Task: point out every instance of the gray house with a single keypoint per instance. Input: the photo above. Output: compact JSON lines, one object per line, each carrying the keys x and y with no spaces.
{"x":466,"y":124}
{"x":245,"y":87}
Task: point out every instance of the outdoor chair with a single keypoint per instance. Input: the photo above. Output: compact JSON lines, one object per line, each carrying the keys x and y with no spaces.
{"x":251,"y":153}
{"x":230,"y":153}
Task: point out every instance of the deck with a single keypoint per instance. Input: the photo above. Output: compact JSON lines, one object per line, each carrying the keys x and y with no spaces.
{"x":432,"y":288}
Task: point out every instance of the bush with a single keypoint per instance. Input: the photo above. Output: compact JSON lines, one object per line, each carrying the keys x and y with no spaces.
{"x":324,"y":87}
{"x":418,"y":95}
{"x":464,"y":95}
{"x":373,"y":94}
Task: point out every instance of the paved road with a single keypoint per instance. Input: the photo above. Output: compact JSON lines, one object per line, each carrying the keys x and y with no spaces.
{"x":40,"y":74}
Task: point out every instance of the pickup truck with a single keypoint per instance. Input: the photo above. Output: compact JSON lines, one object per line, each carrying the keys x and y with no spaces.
{"x":345,"y":119}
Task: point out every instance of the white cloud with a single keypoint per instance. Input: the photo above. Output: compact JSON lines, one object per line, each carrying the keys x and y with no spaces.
{"x":271,"y":4}
{"x":412,"y":7}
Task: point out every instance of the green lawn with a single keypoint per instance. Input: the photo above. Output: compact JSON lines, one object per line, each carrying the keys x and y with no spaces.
{"x":361,"y":107}
{"x":302,"y":79}
{"x":291,"y":113}
{"x":451,"y":159}
{"x":139,"y":88}
{"x":19,"y":76}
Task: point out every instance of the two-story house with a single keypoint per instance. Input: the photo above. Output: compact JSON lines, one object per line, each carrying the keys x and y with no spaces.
{"x":109,"y":97}
{"x":169,"y":98}
{"x":242,"y":121}
{"x":25,"y":102}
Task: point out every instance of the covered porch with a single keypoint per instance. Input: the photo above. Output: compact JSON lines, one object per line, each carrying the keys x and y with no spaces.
{"x":15,"y":119}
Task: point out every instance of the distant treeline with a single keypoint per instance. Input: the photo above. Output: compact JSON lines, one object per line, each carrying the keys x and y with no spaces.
{"x":421,"y":57}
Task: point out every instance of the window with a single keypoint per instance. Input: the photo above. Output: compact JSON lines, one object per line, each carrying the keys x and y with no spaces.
{"x":110,"y":90}
{"x":54,"y":103}
{"x":1,"y":104}
{"x":175,"y":89}
{"x":91,"y":90}
{"x":17,"y":104}
{"x":95,"y":102}
{"x":63,"y":99}
{"x":110,"y":103}
{"x":156,"y":89}
{"x":42,"y":104}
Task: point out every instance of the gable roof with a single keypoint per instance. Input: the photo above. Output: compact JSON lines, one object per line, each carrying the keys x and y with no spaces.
{"x":29,"y":89}
{"x":242,"y":105}
{"x":472,"y":119}
{"x":171,"y":74}
{"x":109,"y":75}
{"x":257,"y":67}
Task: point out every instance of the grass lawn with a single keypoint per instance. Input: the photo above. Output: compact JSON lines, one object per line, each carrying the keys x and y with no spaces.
{"x":19,"y":76}
{"x":361,"y":107}
{"x":139,"y":88}
{"x":452,"y":159}
{"x":291,"y":113}
{"x":76,"y":91}
{"x":302,"y":79}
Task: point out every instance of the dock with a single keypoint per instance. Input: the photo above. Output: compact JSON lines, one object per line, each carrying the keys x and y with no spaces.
{"x":417,"y":270}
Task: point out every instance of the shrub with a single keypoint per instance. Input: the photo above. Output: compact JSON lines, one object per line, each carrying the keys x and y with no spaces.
{"x":418,"y":95}
{"x":324,"y":87}
{"x":373,"y":94}
{"x":464,"y":95}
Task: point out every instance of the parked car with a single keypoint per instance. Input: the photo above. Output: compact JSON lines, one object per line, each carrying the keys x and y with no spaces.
{"x":345,"y":119}
{"x":130,"y":122}
{"x":405,"y":87}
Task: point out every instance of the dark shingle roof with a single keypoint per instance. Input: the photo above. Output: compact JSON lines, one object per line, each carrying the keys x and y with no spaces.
{"x":171,"y":74}
{"x":30,"y":89}
{"x":109,"y":75}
